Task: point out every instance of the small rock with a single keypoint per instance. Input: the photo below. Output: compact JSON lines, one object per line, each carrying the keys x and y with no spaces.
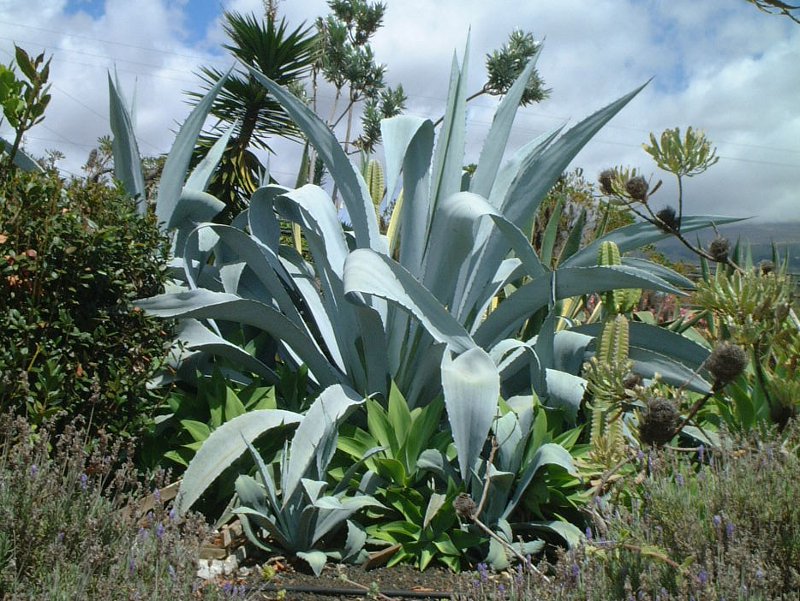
{"x":229,"y":565}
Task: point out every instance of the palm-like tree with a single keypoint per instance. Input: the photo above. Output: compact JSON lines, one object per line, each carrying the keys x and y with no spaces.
{"x":282,"y":55}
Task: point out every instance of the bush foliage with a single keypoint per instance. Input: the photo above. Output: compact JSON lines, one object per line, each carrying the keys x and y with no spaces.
{"x":73,"y":257}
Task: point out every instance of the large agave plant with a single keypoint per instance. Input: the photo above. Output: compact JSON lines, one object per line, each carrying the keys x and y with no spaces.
{"x":360,"y":318}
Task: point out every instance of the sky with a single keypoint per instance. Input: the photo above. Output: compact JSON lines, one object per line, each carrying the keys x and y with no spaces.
{"x":717,"y":65}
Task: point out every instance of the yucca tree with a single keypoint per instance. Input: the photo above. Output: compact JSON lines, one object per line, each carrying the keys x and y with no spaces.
{"x":286,"y":56}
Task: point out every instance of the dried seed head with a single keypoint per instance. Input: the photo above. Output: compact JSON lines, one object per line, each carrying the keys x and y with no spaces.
{"x":637,"y":188}
{"x":606,"y":180}
{"x":766,"y":267}
{"x":719,"y":248}
{"x":464,"y":506}
{"x":632,"y":380}
{"x":669,"y":220}
{"x":725,"y":362}
{"x":659,"y":421}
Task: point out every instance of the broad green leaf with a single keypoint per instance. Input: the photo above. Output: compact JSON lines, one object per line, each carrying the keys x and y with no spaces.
{"x":198,"y":430}
{"x":548,"y":454}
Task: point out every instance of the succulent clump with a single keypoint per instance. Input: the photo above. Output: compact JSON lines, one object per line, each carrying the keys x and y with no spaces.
{"x":726,"y":362}
{"x":659,"y":421}
{"x":668,"y":220}
{"x":637,"y":188}
{"x":719,"y":248}
{"x":464,"y":506}
{"x":606,"y":179}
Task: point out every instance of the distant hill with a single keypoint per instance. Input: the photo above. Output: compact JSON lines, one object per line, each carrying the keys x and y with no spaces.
{"x":760,"y":236}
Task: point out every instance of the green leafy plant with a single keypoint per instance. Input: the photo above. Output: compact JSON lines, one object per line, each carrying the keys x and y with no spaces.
{"x":24,"y":102}
{"x":429,"y":321}
{"x":74,"y":256}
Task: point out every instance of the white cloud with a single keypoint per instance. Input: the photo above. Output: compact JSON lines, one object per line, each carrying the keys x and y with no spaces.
{"x":719,"y":65}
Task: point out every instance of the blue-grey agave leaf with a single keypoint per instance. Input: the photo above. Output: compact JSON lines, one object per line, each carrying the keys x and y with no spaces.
{"x":678,"y":348}
{"x":177,"y":164}
{"x":569,"y":282}
{"x":196,"y":336}
{"x":367,"y":272}
{"x":202,"y":174}
{"x":312,"y":438}
{"x":530,"y":188}
{"x":398,"y":134}
{"x":351,"y":184}
{"x":127,"y":160}
{"x":454,"y":227}
{"x":416,"y":212}
{"x":448,"y":159}
{"x":22,"y":159}
{"x":471,"y":386}
{"x":226,"y":444}
{"x":547,"y":454}
{"x":665,"y":273}
{"x":637,"y":235}
{"x":497,"y":138}
{"x":205,"y":304}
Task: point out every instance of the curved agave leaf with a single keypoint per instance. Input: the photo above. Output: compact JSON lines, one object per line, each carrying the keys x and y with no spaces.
{"x":660,"y":340}
{"x":349,"y":180}
{"x":471,"y":387}
{"x":495,"y":144}
{"x":202,"y":174}
{"x":312,"y":440}
{"x":640,"y":234}
{"x":367,"y":272}
{"x":177,"y":164}
{"x":454,"y":228}
{"x":568,"y":282}
{"x":25,"y":161}
{"x":198,"y":337}
{"x":547,"y":454}
{"x":398,"y":134}
{"x":226,"y":444}
{"x":448,"y":159}
{"x":127,"y":160}
{"x":205,"y":304}
{"x":665,"y":273}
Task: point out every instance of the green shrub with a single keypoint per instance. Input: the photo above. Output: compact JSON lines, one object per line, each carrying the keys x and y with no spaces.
{"x":72,"y":258}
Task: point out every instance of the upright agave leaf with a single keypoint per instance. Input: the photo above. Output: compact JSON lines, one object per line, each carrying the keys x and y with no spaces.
{"x":127,"y":160}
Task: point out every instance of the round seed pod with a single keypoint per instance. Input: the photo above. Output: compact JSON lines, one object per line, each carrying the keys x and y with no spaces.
{"x":464,"y":506}
{"x":606,"y":180}
{"x":632,"y":380}
{"x":719,"y":248}
{"x":659,"y":421}
{"x":726,"y":362}
{"x":637,"y":188}
{"x":669,"y":220}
